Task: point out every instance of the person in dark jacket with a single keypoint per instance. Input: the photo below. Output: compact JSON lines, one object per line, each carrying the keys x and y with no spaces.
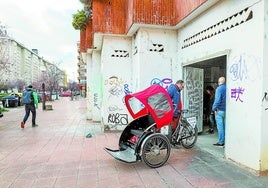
{"x":210,"y":114}
{"x":219,"y":107}
{"x":174,"y":92}
{"x":30,"y":107}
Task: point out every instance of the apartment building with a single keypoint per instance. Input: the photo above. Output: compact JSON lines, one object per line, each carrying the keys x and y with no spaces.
{"x":24,"y":64}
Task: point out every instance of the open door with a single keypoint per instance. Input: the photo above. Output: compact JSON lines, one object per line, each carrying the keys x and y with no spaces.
{"x":193,"y":94}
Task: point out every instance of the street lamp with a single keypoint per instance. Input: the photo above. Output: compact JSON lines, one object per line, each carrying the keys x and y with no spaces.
{"x":43,"y":69}
{"x":43,"y":96}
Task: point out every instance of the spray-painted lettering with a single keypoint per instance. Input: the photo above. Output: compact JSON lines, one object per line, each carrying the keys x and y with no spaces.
{"x":236,"y":93}
{"x":118,"y":119}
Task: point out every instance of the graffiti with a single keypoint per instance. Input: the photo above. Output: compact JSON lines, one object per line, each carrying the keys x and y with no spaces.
{"x":265,"y":98}
{"x":165,"y":82}
{"x":116,"y":86}
{"x":194,"y":87}
{"x":118,"y":119}
{"x":235,"y":93}
{"x":96,"y":99}
{"x":113,"y":108}
{"x":126,"y":89}
{"x":245,"y":67}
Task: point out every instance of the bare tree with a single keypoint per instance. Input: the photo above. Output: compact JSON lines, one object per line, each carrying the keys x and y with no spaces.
{"x":53,"y":77}
{"x":4,"y":51}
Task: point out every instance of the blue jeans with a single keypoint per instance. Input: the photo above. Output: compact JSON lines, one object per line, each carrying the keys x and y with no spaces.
{"x":30,"y":108}
{"x":220,"y":120}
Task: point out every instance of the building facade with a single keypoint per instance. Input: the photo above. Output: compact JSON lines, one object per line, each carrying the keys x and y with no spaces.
{"x":129,"y":45}
{"x":21,"y":63}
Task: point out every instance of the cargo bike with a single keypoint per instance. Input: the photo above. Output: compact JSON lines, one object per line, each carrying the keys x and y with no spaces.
{"x":148,"y":138}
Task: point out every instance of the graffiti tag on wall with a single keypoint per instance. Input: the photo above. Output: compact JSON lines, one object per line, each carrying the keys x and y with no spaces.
{"x":245,"y":67}
{"x":116,"y":86}
{"x":165,"y":82}
{"x":117,"y":119}
{"x":265,"y":98}
{"x":96,"y":100}
{"x":117,"y":89}
{"x":236,"y":94}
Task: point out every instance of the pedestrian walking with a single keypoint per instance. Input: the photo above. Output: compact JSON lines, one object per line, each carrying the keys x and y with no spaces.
{"x":219,"y":107}
{"x":174,"y":92}
{"x":30,"y":99}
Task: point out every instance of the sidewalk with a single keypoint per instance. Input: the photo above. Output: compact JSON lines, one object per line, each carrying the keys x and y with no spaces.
{"x":58,"y":154}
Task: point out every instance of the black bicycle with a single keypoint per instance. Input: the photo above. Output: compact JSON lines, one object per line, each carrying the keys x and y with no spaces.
{"x":186,"y":132}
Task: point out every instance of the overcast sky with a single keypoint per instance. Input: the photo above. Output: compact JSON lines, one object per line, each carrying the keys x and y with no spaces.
{"x":45,"y":25}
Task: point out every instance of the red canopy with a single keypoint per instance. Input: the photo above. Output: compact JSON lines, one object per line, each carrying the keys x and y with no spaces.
{"x":155,"y":101}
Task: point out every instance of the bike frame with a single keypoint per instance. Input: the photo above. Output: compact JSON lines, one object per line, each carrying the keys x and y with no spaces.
{"x":176,"y":136}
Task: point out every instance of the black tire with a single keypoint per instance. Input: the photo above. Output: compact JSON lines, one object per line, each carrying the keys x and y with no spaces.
{"x":188,"y":136}
{"x":155,"y":150}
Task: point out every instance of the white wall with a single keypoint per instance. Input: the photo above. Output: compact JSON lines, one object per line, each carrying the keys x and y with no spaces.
{"x":117,"y":79}
{"x":154,"y":58}
{"x":264,"y":115}
{"x":96,"y":94}
{"x":244,"y":49}
{"x":88,"y":59}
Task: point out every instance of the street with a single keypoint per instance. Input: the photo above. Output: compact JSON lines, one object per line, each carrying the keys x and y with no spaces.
{"x":58,"y":154}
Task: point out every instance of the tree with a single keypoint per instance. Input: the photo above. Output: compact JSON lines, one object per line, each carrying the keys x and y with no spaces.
{"x":4,"y":51}
{"x":53,"y":76}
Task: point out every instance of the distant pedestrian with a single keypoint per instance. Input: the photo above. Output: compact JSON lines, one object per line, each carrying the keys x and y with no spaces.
{"x":174,"y":92}
{"x":210,"y":114}
{"x":30,"y":99}
{"x":219,"y":107}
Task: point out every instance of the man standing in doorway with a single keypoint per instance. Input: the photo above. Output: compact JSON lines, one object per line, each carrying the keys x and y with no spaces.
{"x":174,"y":92}
{"x":219,"y":107}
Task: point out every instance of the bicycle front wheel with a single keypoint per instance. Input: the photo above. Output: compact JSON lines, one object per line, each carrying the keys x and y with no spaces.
{"x":188,"y":136}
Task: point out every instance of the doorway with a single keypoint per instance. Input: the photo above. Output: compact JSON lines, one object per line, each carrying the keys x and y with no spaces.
{"x":198,"y":76}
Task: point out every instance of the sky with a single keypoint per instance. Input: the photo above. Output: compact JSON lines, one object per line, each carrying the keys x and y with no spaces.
{"x":45,"y":25}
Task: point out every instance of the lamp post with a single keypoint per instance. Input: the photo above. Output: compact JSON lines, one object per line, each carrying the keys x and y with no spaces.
{"x":43,"y":97}
{"x":43,"y":70}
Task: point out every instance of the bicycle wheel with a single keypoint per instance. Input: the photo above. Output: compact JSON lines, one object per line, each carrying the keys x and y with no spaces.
{"x":188,"y":136}
{"x":155,"y":150}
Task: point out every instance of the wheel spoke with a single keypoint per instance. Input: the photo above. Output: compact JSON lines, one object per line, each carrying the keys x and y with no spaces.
{"x":156,"y":151}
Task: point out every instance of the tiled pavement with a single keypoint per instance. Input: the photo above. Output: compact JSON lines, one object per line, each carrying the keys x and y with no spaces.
{"x":58,"y":154}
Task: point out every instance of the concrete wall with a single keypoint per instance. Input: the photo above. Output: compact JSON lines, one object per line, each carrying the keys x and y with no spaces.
{"x":116,"y":83}
{"x":96,"y":94}
{"x":233,"y":28}
{"x":264,"y":114}
{"x":154,"y":58}
{"x":87,"y":57}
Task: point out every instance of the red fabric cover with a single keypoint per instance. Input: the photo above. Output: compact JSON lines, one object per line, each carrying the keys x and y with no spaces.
{"x":143,"y":97}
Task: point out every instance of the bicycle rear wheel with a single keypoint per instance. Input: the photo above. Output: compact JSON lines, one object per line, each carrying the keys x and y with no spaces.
{"x":188,"y":135}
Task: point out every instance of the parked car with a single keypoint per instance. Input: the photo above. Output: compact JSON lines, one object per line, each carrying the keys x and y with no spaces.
{"x":10,"y":101}
{"x":66,"y":94}
{"x":40,"y":96}
{"x":19,"y":95}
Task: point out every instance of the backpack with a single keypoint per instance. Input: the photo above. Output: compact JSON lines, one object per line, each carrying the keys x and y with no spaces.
{"x":27,"y":97}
